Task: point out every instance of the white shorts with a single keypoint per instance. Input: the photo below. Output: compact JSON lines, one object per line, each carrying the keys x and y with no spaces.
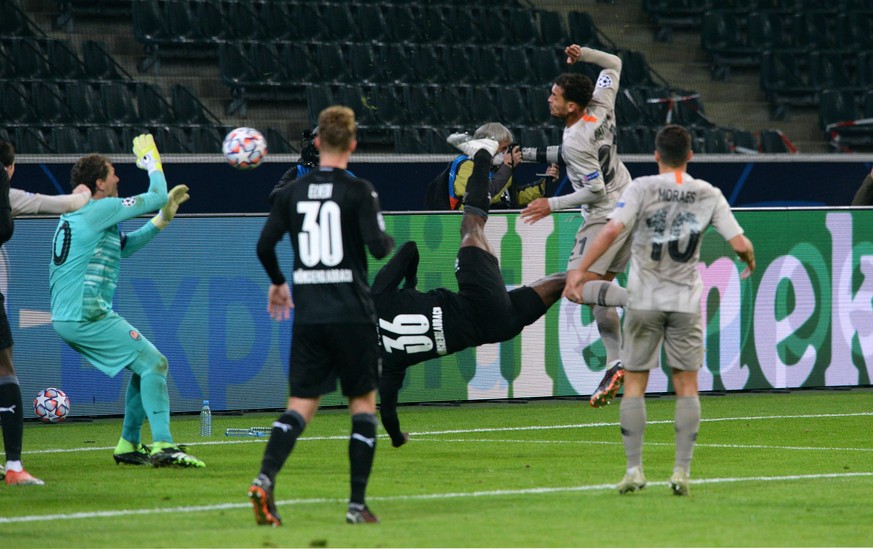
{"x":613,"y":260}
{"x":681,"y":335}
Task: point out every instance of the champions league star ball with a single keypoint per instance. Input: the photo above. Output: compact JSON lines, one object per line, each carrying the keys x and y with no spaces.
{"x":244,"y":148}
{"x":51,"y":405}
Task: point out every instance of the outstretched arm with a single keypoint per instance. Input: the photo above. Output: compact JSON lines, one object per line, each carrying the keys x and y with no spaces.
{"x":24,"y":203}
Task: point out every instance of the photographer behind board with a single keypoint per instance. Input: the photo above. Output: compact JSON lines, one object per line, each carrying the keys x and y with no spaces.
{"x":447,"y":191}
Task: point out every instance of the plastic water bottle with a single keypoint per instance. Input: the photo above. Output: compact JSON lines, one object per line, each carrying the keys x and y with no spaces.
{"x":205,"y":420}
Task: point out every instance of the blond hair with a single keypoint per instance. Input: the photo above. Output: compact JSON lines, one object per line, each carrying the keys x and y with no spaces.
{"x":336,"y":129}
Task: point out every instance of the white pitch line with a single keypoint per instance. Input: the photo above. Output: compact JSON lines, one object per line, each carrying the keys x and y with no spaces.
{"x":619,"y":443}
{"x":501,"y":430}
{"x":410,"y":497}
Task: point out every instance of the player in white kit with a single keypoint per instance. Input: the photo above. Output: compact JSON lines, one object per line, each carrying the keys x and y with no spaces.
{"x":598,"y":177}
{"x":668,"y":214}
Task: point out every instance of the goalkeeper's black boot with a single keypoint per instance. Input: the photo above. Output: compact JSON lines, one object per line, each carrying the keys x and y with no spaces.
{"x":138,"y":456}
{"x":261,"y":496}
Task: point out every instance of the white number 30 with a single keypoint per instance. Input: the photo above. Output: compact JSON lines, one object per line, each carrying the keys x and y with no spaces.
{"x":321,"y":237}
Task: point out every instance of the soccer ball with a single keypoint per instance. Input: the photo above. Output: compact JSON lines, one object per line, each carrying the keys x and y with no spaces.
{"x":51,"y":405}
{"x":244,"y":148}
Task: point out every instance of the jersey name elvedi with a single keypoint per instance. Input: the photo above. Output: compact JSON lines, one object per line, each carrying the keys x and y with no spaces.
{"x":330,"y":215}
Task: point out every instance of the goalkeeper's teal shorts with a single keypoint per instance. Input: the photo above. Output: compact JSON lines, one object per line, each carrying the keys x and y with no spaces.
{"x":110,"y":344}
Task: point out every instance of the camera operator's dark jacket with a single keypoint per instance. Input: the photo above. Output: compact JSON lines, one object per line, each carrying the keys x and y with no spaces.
{"x":446,"y":192}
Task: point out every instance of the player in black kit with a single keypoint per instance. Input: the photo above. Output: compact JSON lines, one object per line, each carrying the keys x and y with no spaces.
{"x":331,"y":217}
{"x":417,"y":326}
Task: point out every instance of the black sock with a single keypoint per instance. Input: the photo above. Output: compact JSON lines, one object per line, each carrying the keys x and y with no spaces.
{"x":283,"y":435}
{"x":362,"y":447}
{"x":11,"y":417}
{"x":477,"y":195}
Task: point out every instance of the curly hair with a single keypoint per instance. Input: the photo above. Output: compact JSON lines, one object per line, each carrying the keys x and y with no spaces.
{"x":88,"y":170}
{"x":578,"y":88}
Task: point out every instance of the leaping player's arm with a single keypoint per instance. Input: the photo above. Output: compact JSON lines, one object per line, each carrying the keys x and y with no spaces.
{"x":24,"y":203}
{"x":404,"y":265}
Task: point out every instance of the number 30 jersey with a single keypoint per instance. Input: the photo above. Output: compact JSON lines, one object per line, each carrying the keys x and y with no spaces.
{"x":330,"y":216}
{"x":670,"y":213}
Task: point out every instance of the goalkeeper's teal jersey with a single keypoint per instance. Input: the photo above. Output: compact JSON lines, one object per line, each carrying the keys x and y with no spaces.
{"x":87,"y":249}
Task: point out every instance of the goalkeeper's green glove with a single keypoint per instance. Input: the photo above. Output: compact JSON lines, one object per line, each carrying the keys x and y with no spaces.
{"x":146,"y":152}
{"x":177,"y":196}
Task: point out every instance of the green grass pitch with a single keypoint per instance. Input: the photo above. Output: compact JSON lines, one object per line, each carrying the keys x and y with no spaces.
{"x":775,"y":470}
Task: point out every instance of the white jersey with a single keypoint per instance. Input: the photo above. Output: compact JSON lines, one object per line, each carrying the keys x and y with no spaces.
{"x":589,"y":150}
{"x":23,"y":202}
{"x":669,"y":213}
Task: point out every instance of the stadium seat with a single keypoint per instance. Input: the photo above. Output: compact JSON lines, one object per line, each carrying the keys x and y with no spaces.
{"x":29,"y":59}
{"x":63,"y":61}
{"x":15,"y":20}
{"x":546,"y":64}
{"x":83,"y":100}
{"x":429,"y":65}
{"x":521,"y":26}
{"x":105,"y":140}
{"x":827,"y":70}
{"x":552,"y":29}
{"x":634,"y":69}
{"x":276,"y":142}
{"x":15,"y":104}
{"x":773,"y":141}
{"x":299,"y":66}
{"x":371,"y":23}
{"x":437,"y":28}
{"x":30,"y":140}
{"x":153,"y":108}
{"x":244,"y":23}
{"x":510,"y":102}
{"x":172,"y":140}
{"x":836,"y":106}
{"x":212,"y":25}
{"x":482,"y":103}
{"x":867,"y":104}
{"x":461,"y":65}
{"x":188,"y":109}
{"x":408,"y":140}
{"x":99,"y":64}
{"x":855,"y":30}
{"x":68,"y":140}
{"x":584,"y":31}
{"x":404,"y":23}
{"x":721,"y":38}
{"x":417,"y":105}
{"x":396,"y":66}
{"x":533,"y":136}
{"x":465,"y":27}
{"x":206,"y":140}
{"x":766,"y":31}
{"x":814,"y":30}
{"x":628,"y":110}
{"x":49,"y":104}
{"x":366,"y":63}
{"x":537,"y":101}
{"x":485,"y":66}
{"x":743,"y":141}
{"x":306,"y":19}
{"x":318,"y":97}
{"x":331,"y":62}
{"x":386,"y":101}
{"x":181,"y":23}
{"x":338,"y":21}
{"x":515,"y":67}
{"x":716,"y":141}
{"x":450,"y":106}
{"x":118,"y":105}
{"x":864,"y":70}
{"x":277,"y":21}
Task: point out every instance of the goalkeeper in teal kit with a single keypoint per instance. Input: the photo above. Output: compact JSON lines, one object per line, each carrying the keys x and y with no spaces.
{"x":87,"y":248}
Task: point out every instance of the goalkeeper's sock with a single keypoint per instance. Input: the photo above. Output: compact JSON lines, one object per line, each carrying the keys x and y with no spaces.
{"x":283,"y":436}
{"x":125,"y":447}
{"x":11,"y":416}
{"x":156,"y":402}
{"x":134,"y":413}
{"x":477,"y":197}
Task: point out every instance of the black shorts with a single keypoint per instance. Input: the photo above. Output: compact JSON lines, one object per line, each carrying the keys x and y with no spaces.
{"x":5,"y":331}
{"x":496,"y":314}
{"x":321,"y":353}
